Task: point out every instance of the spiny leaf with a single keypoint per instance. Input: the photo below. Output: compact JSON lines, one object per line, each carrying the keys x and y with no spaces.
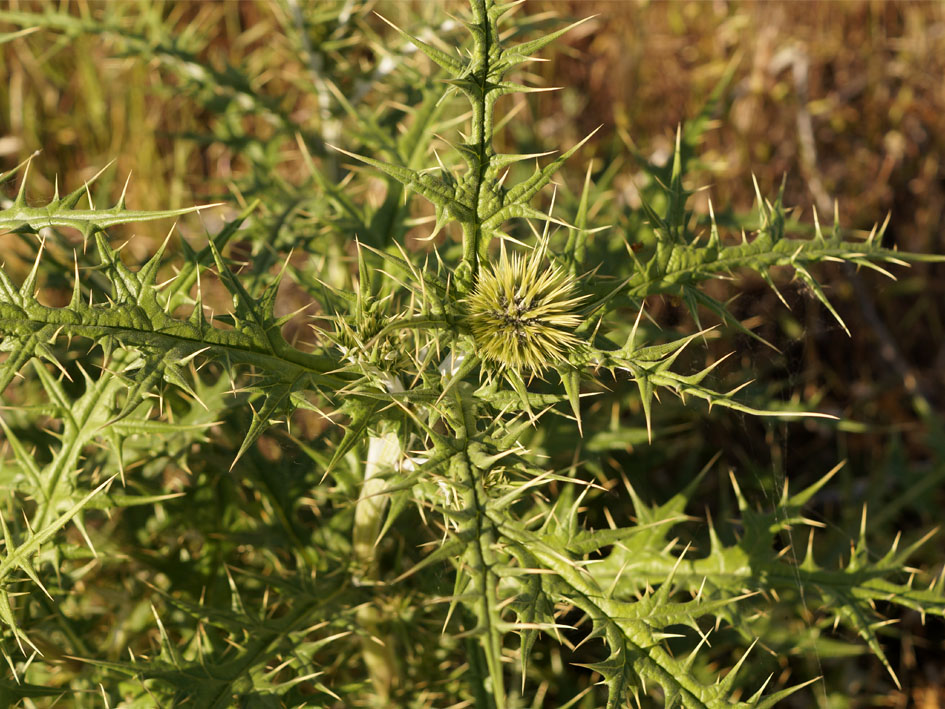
{"x":432,"y":188}
{"x":60,"y":213}
{"x":524,"y":191}
{"x":16,"y":555}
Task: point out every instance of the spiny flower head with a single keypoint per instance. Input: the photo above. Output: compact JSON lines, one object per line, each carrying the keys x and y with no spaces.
{"x":521,"y":312}
{"x":361,"y":340}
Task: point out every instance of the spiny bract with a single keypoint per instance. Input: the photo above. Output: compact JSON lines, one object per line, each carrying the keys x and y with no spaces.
{"x":521,"y":312}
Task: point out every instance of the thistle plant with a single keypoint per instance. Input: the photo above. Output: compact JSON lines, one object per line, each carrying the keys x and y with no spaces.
{"x":434,"y":502}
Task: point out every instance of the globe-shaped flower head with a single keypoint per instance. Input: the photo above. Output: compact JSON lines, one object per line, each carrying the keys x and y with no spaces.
{"x":522,"y":312}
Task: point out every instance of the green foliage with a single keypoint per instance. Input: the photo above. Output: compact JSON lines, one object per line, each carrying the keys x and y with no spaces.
{"x":423,"y":533}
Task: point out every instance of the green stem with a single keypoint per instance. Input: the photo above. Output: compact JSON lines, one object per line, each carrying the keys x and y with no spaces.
{"x":475,"y":245}
{"x":480,"y":558}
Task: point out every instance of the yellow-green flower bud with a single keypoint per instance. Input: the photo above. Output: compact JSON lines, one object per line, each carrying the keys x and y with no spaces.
{"x":521,"y":312}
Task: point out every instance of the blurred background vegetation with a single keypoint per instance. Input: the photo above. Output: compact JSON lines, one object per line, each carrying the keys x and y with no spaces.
{"x":844,"y":101}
